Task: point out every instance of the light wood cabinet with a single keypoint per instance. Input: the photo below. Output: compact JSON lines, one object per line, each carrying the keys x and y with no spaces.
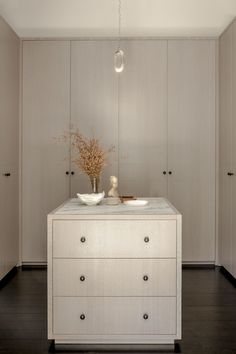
{"x":9,"y":148}
{"x":167,"y":133}
{"x":94,"y":103}
{"x":191,"y":143}
{"x":115,"y":316}
{"x":161,"y":120}
{"x":114,"y":273}
{"x":99,"y":242}
{"x":143,"y":119}
{"x":227,"y":130}
{"x":225,"y":165}
{"x":46,"y":114}
{"x":233,"y":137}
{"x":144,"y":278}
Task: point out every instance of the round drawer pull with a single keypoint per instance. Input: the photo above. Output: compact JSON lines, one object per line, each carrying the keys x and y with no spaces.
{"x":146,"y":239}
{"x":145,"y":278}
{"x":145,"y":316}
{"x":83,"y":239}
{"x":82,"y":278}
{"x":82,"y":316}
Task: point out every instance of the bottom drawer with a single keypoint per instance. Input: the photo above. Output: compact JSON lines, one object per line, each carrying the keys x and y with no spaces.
{"x":114,"y":315}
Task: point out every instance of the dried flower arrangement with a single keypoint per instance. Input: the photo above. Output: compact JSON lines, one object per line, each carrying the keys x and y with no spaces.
{"x":92,"y":156}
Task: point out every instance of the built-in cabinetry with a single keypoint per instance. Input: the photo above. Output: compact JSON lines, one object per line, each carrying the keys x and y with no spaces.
{"x":167,"y":133}
{"x":94,"y":105}
{"x":9,"y":148}
{"x":159,"y":113}
{"x":114,"y":274}
{"x":143,"y":119}
{"x":227,"y":134}
{"x":191,"y":143}
{"x":45,"y":160}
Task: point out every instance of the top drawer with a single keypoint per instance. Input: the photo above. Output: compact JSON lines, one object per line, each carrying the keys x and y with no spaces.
{"x":114,"y":239}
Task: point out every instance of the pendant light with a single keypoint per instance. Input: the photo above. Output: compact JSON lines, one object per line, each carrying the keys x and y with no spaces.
{"x":119,"y":54}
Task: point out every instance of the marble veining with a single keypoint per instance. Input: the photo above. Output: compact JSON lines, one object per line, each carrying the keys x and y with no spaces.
{"x":159,"y":206}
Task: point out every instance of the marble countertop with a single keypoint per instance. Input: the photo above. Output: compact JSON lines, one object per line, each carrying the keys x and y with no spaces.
{"x":155,"y":206}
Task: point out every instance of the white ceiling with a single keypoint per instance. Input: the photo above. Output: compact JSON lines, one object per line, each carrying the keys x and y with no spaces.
{"x":76,"y":18}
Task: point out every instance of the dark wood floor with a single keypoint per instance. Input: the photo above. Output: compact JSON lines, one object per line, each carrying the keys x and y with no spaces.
{"x":209,"y":313}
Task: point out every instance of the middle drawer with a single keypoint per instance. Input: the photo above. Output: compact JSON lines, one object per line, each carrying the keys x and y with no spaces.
{"x":114,"y":277}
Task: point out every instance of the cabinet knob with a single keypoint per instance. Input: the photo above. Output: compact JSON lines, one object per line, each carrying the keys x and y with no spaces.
{"x":83,"y":239}
{"x":82,"y":278}
{"x":164,"y":172}
{"x":145,"y":278}
{"x":145,"y":316}
{"x":170,"y":172}
{"x":67,"y":172}
{"x":7,"y":174}
{"x":82,"y":316}
{"x":146,"y":239}
{"x":230,"y":174}
{"x":72,"y":173}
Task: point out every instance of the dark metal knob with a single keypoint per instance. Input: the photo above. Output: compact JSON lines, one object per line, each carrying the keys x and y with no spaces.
{"x":146,"y":239}
{"x":7,"y":174}
{"x":67,"y":172}
{"x":145,"y":316}
{"x":230,"y":174}
{"x":170,"y":172}
{"x":82,"y":316}
{"x":72,"y":173}
{"x":164,"y":172}
{"x":83,"y":239}
{"x":82,"y":278}
{"x":145,"y":278}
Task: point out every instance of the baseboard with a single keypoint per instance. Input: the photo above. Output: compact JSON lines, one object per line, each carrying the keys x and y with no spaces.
{"x":228,"y":276}
{"x":8,"y":277}
{"x":30,"y":265}
{"x":114,"y":348}
{"x":185,"y":265}
{"x":198,"y":266}
{"x":33,"y":266}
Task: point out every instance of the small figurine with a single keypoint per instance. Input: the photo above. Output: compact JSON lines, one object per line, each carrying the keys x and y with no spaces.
{"x":113,"y":192}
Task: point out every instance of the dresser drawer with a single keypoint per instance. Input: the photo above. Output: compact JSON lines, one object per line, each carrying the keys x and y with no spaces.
{"x":114,"y":239}
{"x":109,"y":315}
{"x":114,"y":277}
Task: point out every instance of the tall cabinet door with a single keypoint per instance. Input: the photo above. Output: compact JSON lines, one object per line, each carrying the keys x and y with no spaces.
{"x":9,"y":148}
{"x":233,"y":151}
{"x":225,"y":148}
{"x":143,"y":119}
{"x":46,"y":107}
{"x":191,"y":143}
{"x":94,"y":104}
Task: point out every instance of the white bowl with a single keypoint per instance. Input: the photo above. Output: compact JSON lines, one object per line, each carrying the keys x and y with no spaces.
{"x":91,"y":199}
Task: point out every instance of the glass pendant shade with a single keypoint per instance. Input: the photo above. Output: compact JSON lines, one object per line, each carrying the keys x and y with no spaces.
{"x":119,"y":61}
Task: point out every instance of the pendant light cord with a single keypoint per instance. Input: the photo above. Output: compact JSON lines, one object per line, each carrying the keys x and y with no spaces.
{"x":119,"y":23}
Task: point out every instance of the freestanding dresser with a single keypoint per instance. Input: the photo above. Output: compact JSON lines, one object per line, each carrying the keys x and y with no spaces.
{"x":114,"y":274}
